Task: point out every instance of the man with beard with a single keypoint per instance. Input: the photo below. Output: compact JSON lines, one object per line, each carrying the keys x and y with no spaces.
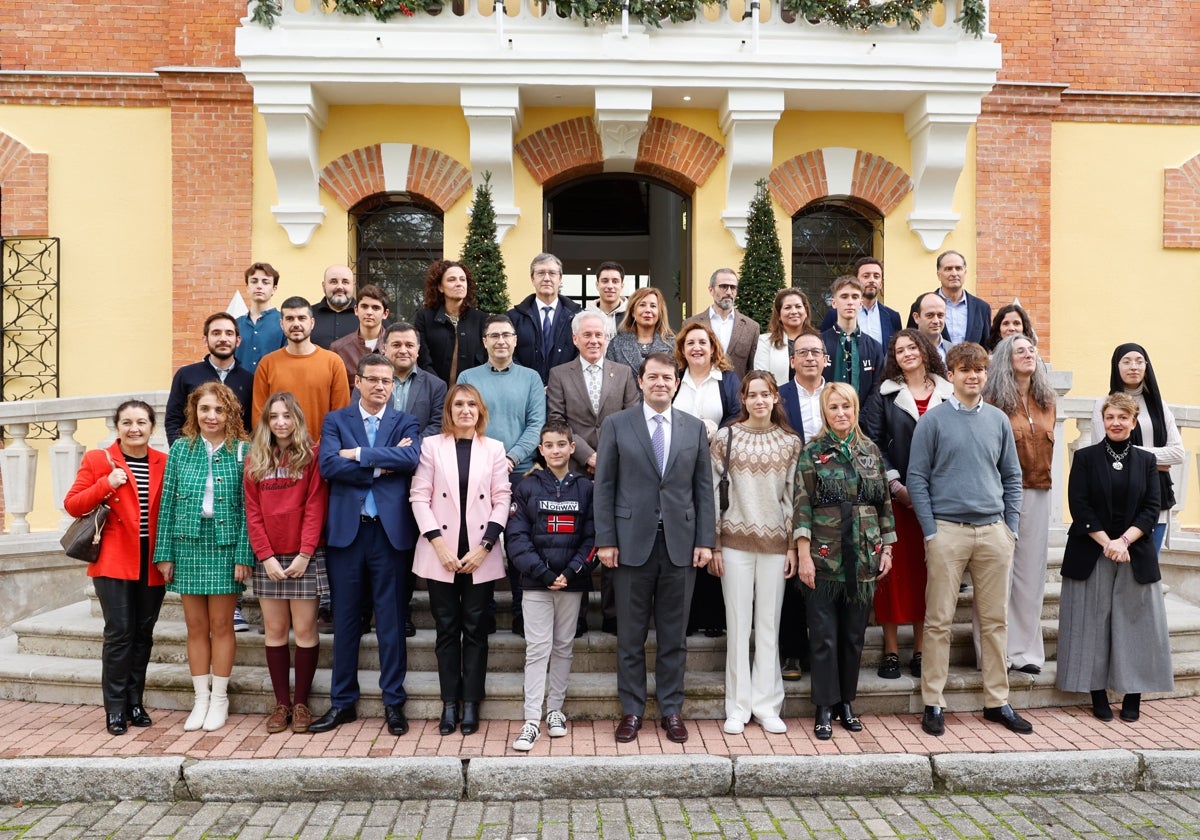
{"x":335,"y":314}
{"x":316,"y":377}
{"x":221,"y":337}
{"x":737,"y":333}
{"x":876,"y":320}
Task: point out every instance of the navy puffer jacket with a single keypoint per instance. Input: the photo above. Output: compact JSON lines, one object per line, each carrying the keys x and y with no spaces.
{"x":550,"y":531}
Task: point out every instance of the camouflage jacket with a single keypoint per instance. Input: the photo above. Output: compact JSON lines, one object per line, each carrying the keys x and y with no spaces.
{"x":843,"y":506}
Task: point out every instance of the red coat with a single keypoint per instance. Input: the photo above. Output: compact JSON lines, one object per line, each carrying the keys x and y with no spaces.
{"x":287,"y":515}
{"x":120,"y":549}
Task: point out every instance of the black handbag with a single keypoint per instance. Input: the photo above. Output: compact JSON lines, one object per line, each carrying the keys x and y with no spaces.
{"x":81,"y":541}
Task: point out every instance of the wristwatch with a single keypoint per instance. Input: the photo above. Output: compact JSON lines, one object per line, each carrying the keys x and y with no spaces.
{"x":487,"y":544}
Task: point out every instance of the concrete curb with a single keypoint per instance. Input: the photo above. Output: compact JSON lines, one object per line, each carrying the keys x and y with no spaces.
{"x":1170,"y":769}
{"x":1089,"y":771}
{"x":831,"y":775}
{"x":317,"y":780}
{"x":599,"y":777}
{"x":90,"y":779}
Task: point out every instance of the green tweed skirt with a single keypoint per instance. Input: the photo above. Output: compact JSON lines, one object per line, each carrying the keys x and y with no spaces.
{"x":202,"y":567}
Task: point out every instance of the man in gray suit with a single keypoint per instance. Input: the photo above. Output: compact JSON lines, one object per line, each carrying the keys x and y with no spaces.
{"x":655,"y":525}
{"x":581,"y":393}
{"x":737,"y":333}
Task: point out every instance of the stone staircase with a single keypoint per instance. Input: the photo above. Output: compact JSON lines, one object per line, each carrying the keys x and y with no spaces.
{"x":55,"y":658}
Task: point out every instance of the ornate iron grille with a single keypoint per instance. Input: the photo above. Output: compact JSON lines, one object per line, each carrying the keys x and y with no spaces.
{"x":828,"y":236}
{"x":395,"y":239}
{"x":29,"y":304}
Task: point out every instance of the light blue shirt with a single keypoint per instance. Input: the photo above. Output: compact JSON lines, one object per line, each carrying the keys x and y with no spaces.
{"x":956,"y":318}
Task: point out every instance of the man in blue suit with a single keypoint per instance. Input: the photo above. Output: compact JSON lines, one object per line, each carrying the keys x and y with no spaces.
{"x":369,"y":451}
{"x":543,"y":320}
{"x":876,"y":320}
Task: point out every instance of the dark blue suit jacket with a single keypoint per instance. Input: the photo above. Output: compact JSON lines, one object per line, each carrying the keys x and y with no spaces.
{"x":790,"y":397}
{"x":870,"y":355}
{"x":889,"y":322}
{"x":979,"y":320}
{"x":350,"y":480}
{"x":527,"y":321}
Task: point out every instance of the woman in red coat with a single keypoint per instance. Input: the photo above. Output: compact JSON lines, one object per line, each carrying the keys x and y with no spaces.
{"x":128,"y":477}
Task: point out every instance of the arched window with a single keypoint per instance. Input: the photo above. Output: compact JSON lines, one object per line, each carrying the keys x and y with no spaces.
{"x":828,"y":236}
{"x":396,"y":236}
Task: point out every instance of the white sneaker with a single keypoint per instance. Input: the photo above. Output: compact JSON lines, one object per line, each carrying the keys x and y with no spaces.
{"x":529,"y":733}
{"x":556,"y":724}
{"x":774,"y":725}
{"x":733,"y":726}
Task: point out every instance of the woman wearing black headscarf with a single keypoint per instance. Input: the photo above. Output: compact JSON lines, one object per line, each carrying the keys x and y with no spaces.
{"x":1156,"y":430}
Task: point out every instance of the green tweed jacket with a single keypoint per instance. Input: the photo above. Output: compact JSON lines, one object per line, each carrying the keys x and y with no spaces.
{"x":179,"y":517}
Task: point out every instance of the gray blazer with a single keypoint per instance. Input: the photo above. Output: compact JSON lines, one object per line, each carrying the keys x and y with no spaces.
{"x":630,"y":496}
{"x":567,"y":401}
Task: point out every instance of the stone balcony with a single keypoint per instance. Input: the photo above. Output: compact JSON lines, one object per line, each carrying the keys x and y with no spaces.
{"x":750,"y":69}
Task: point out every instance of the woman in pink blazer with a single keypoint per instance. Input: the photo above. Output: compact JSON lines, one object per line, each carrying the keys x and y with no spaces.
{"x":458,"y":554}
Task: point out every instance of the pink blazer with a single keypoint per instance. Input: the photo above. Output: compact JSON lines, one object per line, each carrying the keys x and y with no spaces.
{"x":435,"y":503}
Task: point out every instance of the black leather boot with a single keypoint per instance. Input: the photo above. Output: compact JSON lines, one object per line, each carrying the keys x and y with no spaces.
{"x":470,"y":718}
{"x":1100,"y":707}
{"x":449,"y":719}
{"x":823,"y":726}
{"x":1131,"y":708}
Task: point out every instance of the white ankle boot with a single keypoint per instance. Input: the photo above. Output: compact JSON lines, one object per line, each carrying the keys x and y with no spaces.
{"x":200,"y":707}
{"x":218,"y":706}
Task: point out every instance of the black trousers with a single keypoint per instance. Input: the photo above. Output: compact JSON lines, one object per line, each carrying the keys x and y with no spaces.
{"x":459,"y":613}
{"x":130,"y":613}
{"x":836,"y":629}
{"x":793,"y":626}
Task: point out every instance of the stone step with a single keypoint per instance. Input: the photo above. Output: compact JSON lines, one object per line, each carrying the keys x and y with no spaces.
{"x":54,"y":679}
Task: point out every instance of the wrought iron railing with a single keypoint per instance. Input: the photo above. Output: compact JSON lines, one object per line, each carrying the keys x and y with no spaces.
{"x":29,"y":308}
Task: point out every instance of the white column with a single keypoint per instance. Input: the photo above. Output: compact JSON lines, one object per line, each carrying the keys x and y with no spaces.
{"x":494,"y":117}
{"x":1061,"y":381}
{"x":937,"y":126}
{"x":65,"y":458}
{"x":18,"y":467}
{"x":295,"y":116}
{"x":748,"y":119}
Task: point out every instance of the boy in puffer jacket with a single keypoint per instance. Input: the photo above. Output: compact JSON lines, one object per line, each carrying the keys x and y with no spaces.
{"x":551,"y":540}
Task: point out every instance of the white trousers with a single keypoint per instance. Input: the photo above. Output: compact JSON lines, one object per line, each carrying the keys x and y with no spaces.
{"x":753,"y":587}
{"x":550,"y":619}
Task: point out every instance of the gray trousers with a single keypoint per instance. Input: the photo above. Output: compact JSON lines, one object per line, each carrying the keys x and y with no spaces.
{"x":549,"y":638}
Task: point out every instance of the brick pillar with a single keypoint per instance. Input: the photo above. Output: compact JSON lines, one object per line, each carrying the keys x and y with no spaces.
{"x":1012,"y":201}
{"x":211,"y":178}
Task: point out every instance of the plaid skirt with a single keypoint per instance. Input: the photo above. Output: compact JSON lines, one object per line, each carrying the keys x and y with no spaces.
{"x":314,"y":583}
{"x":202,"y":567}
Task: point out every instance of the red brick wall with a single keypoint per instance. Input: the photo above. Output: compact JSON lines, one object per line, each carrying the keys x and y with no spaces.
{"x":24,"y":179}
{"x":431,"y":174}
{"x":800,"y":181}
{"x":1181,"y":206}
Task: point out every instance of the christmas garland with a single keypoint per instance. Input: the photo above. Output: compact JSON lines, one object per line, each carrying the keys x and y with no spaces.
{"x":848,"y":14}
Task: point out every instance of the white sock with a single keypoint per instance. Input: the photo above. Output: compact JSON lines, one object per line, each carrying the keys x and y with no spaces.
{"x":200,"y":706}
{"x":218,"y":707}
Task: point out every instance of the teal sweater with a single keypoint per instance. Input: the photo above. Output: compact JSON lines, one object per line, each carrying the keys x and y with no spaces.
{"x":516,"y":404}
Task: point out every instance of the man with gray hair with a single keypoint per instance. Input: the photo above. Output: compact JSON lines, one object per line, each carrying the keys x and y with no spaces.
{"x":543,"y":320}
{"x":737,"y":333}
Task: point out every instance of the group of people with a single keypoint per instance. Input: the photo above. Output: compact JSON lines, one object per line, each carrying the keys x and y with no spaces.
{"x":777,"y":485}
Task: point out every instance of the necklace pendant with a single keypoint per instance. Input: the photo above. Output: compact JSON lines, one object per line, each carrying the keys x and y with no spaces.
{"x":1118,"y":466}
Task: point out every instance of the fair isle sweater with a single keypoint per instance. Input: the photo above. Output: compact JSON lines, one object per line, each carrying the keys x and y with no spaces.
{"x":762,"y":464}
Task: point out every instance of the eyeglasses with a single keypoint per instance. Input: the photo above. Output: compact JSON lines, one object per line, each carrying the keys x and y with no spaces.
{"x":1022,"y":352}
{"x":376,"y":380}
{"x":547,"y":273}
{"x":808,"y":351}
{"x":497,"y":336}
{"x":727,"y":287}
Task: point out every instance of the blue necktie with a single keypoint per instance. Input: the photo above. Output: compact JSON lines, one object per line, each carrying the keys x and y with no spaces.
{"x":369,"y":507}
{"x":659,"y":442}
{"x":547,"y":337}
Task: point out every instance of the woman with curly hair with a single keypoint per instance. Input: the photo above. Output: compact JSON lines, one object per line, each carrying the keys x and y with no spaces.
{"x":791,"y":317}
{"x":286,"y":501}
{"x":645,"y":329}
{"x":202,"y":551}
{"x":450,"y":324}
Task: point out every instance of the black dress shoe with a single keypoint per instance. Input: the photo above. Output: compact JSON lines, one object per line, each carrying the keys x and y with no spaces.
{"x":449,"y":721}
{"x":714,"y":632}
{"x":822,"y":723}
{"x":116,"y":723}
{"x":676,"y":731}
{"x":518,"y":625}
{"x":332,"y":719}
{"x":137,"y":716}
{"x":1012,"y":721}
{"x":1029,"y":668}
{"x":1100,"y":708}
{"x":849,"y":720}
{"x":609,"y":626}
{"x":1131,"y":708}
{"x":397,"y":723}
{"x":932,"y":721}
{"x":470,"y":718}
{"x":410,"y":629}
{"x":627,"y":729}
{"x":581,"y":629}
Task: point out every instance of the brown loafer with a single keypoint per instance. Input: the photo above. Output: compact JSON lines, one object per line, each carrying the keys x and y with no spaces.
{"x":301,"y":718}
{"x":278,"y":720}
{"x":676,"y":731}
{"x":627,"y":729}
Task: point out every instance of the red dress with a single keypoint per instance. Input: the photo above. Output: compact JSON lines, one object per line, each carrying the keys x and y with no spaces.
{"x":900,"y":597}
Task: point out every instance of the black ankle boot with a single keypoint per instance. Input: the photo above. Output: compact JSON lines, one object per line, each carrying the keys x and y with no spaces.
{"x":849,"y":720}
{"x":1131,"y":708}
{"x":1100,"y":707}
{"x":449,"y":719}
{"x":823,"y":726}
{"x":470,"y":718}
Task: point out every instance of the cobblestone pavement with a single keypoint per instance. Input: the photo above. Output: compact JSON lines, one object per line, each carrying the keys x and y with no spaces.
{"x":1153,"y":815}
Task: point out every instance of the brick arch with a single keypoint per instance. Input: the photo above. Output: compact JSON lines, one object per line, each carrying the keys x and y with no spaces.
{"x":396,"y":167}
{"x":1181,"y":205}
{"x":25,"y":179}
{"x":819,"y":173}
{"x":669,"y":151}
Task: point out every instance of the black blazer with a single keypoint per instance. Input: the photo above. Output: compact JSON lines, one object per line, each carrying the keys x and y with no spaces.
{"x":437,"y":340}
{"x":527,"y":321}
{"x":889,"y":322}
{"x":1088,"y":496}
{"x":979,"y":320}
{"x":870,"y":356}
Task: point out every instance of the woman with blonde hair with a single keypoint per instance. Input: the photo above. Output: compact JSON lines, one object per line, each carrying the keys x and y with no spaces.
{"x":791,"y":317}
{"x":644,"y":330}
{"x":286,"y":502}
{"x":202,"y":550}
